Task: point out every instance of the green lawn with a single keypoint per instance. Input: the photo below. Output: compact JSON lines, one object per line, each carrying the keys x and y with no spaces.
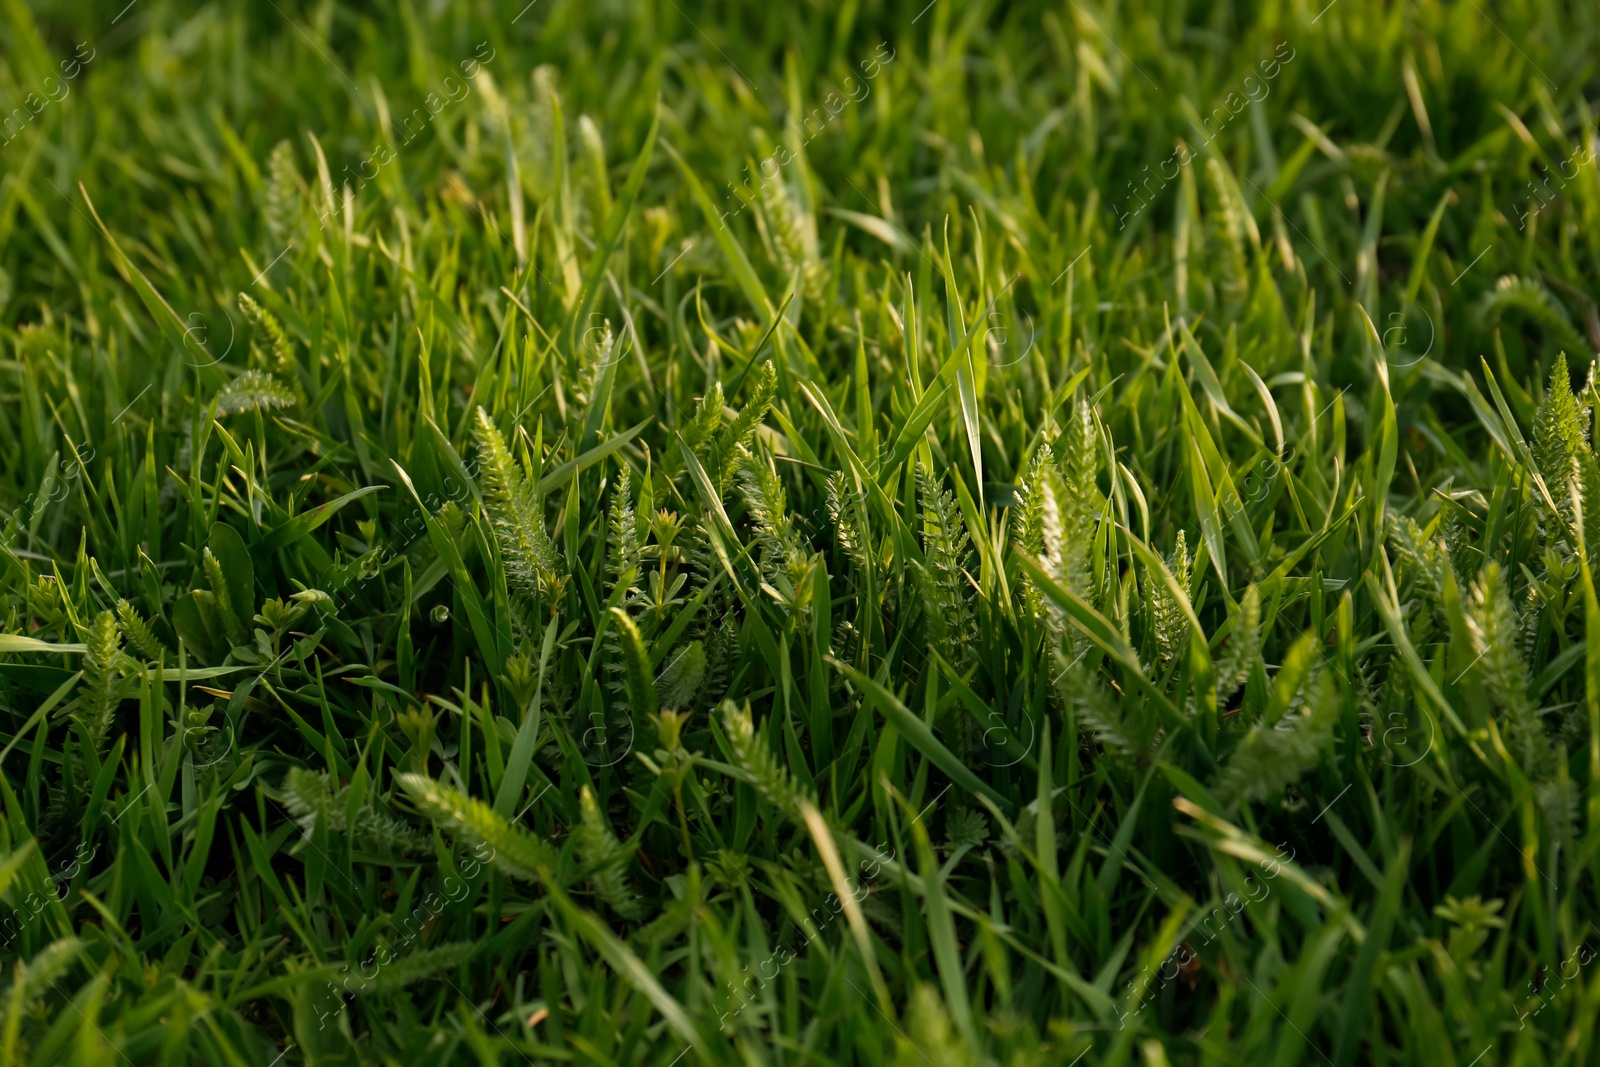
{"x":811,"y":533}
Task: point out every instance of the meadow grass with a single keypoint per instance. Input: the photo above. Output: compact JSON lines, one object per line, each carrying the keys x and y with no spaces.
{"x":655,"y":533}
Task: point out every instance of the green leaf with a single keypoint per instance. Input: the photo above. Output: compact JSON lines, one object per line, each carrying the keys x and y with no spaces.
{"x":292,"y":530}
{"x":195,"y":617}
{"x":917,"y":734}
{"x":18,"y":643}
{"x":237,"y":570}
{"x":1358,"y":991}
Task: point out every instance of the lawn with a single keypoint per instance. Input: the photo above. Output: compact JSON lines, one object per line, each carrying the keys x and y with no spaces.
{"x":835,"y":532}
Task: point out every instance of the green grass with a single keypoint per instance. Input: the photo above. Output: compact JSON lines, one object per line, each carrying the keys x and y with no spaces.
{"x":808,"y":533}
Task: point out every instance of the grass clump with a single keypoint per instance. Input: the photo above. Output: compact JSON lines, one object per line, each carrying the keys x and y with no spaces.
{"x":1096,"y":566}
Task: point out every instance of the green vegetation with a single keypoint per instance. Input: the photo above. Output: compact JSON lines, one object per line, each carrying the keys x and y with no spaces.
{"x":663,"y":533}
